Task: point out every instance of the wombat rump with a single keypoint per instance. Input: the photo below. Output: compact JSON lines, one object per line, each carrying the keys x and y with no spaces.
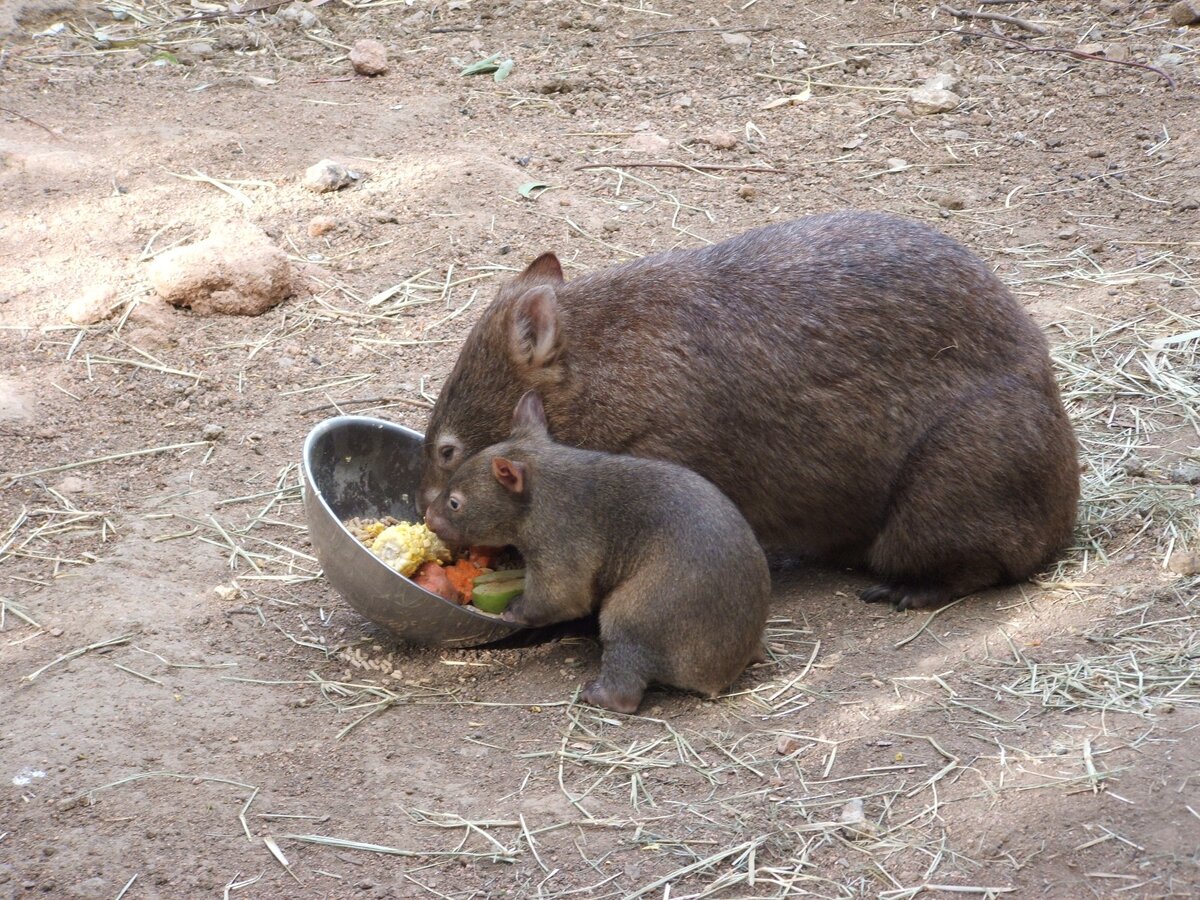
{"x":680,"y":582}
{"x":863,"y":388}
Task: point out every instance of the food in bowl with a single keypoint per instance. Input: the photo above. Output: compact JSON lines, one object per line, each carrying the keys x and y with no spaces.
{"x":484,"y":576}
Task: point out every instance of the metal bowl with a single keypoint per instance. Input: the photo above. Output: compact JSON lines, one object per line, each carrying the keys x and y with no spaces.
{"x":359,"y":466}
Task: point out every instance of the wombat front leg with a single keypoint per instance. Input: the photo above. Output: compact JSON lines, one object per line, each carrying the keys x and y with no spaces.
{"x":536,"y":608}
{"x":621,"y":683}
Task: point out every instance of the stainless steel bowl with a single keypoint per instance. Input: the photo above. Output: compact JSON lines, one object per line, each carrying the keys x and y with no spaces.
{"x":359,"y":466}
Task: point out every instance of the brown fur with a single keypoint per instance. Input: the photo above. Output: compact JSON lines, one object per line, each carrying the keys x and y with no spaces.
{"x":861,"y":386}
{"x":679,"y":580}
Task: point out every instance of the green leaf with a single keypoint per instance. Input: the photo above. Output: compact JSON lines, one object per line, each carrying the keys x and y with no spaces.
{"x":165,"y":56}
{"x":483,"y":67}
{"x":503,"y":70}
{"x":531,"y":190}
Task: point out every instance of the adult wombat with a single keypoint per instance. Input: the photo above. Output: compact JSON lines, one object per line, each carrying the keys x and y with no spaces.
{"x":862,"y":387}
{"x":680,"y":582}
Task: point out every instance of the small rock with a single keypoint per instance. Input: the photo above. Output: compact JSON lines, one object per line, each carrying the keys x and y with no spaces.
{"x":1134,"y":466}
{"x":298,"y":16}
{"x":896,"y":164}
{"x":1169,"y":61}
{"x":786,"y":745}
{"x":212,"y":432}
{"x":1184,"y":562}
{"x":1095,"y":153}
{"x":1188,"y":473}
{"x":954,"y":134}
{"x":72,"y":484}
{"x":235,"y":271}
{"x":320,"y":225}
{"x":747,"y":192}
{"x":56,"y":632}
{"x":951,"y":200}
{"x":94,"y":305}
{"x":722,"y":140}
{"x":327,"y":175}
{"x":612,"y":226}
{"x":683,"y":101}
{"x":200,"y":50}
{"x":735,"y":39}
{"x":1068,"y":233}
{"x":925,"y":101}
{"x":853,"y":820}
{"x":369,"y":57}
{"x":1185,"y":12}
{"x":1112,"y":7}
{"x":647,"y":142}
{"x":943,"y":81}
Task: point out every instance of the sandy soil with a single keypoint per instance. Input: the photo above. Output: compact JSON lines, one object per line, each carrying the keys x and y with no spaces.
{"x":202,"y":697}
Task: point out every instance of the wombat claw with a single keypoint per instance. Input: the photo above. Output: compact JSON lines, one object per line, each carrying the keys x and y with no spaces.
{"x":904,"y":598}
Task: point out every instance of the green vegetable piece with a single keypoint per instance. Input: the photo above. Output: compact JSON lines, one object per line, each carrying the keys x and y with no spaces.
{"x":503,"y":71}
{"x":500,"y":575}
{"x":531,"y":190}
{"x":495,"y":596}
{"x":483,"y":67}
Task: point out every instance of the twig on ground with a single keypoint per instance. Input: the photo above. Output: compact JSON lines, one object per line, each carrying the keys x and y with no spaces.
{"x":993,"y":17}
{"x":700,"y":167}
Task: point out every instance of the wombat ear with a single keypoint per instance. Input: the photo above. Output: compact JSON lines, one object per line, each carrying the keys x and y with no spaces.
{"x":509,"y":473}
{"x":545,"y":268}
{"x":530,"y":414}
{"x":535,"y":337}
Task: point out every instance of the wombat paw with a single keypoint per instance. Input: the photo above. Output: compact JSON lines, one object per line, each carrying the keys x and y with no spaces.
{"x":903,"y":597}
{"x":596,"y":693}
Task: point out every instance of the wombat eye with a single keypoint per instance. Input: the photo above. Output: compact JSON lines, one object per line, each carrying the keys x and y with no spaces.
{"x":446,"y":453}
{"x":454,"y":503}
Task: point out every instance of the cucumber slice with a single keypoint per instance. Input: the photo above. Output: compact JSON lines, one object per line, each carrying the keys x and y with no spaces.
{"x":494,"y":597}
{"x":499,"y":575}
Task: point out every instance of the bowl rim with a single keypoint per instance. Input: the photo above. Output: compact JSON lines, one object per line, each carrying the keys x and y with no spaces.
{"x":315,"y":434}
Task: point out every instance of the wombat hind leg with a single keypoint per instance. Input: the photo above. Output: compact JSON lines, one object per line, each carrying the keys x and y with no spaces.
{"x":904,"y":597}
{"x":985,"y":498}
{"x":623,"y":698}
{"x":622,"y":680}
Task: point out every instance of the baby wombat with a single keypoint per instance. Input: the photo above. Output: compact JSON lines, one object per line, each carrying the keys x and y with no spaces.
{"x":863,"y":388}
{"x":680,"y":582}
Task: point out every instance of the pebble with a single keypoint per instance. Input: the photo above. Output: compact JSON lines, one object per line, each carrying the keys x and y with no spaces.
{"x":722,"y":140}
{"x":212,"y":431}
{"x":369,"y":57}
{"x":236,"y":270}
{"x":853,"y":818}
{"x":786,"y":745}
{"x":298,"y":15}
{"x":747,"y":191}
{"x":647,"y":142}
{"x":320,"y":225}
{"x":327,"y":175}
{"x":951,"y":200}
{"x":72,"y":484}
{"x":199,"y":50}
{"x":683,"y":101}
{"x":1184,"y":562}
{"x":735,"y":39}
{"x":1187,"y":473}
{"x":1185,"y":12}
{"x":94,"y":305}
{"x":943,"y":81}
{"x":612,"y":226}
{"x":925,"y":101}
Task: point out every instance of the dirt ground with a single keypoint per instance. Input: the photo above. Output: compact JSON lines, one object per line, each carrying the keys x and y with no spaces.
{"x":208,"y":718}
